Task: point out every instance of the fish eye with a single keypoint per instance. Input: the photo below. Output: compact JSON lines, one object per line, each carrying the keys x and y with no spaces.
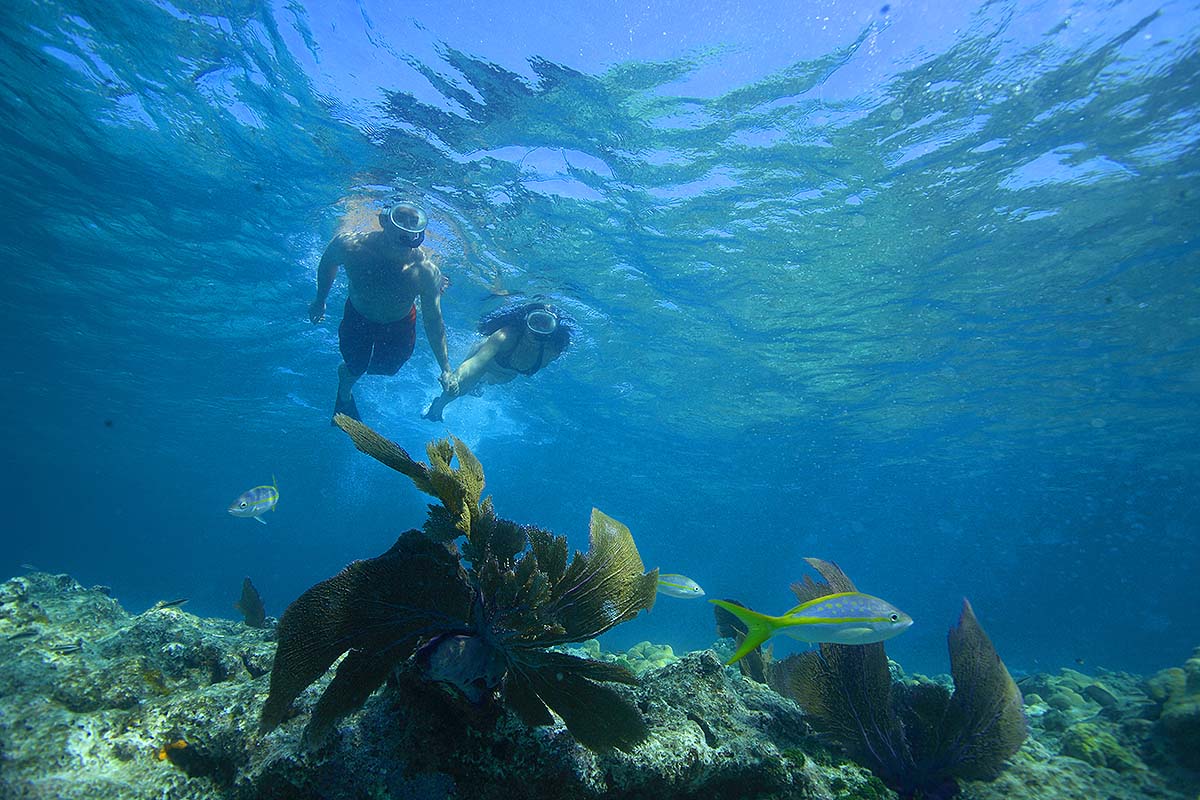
{"x":244,"y":505}
{"x":895,"y":617}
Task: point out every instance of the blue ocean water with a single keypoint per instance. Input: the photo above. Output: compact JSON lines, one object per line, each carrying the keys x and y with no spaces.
{"x":914,"y":287}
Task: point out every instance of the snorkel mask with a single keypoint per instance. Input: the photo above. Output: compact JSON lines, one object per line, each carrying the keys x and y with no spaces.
{"x":408,"y":219}
{"x":541,"y":321}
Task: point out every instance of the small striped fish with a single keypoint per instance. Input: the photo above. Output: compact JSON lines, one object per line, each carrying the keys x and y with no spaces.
{"x":673,"y":585}
{"x":256,"y":502}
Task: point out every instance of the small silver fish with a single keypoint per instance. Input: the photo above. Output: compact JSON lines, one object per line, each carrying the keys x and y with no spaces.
{"x":256,"y":502}
{"x":66,"y":649}
{"x":161,"y":604}
{"x":673,"y":585}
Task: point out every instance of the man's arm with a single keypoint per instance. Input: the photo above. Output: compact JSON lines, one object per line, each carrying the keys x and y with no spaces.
{"x":334,"y":256}
{"x":431,"y":316}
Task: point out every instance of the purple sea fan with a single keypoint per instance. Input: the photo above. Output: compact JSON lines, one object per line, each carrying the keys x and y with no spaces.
{"x":917,"y":737}
{"x":971,"y":733}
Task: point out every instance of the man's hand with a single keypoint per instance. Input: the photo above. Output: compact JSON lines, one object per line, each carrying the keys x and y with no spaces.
{"x":316,"y":311}
{"x":449,"y":382}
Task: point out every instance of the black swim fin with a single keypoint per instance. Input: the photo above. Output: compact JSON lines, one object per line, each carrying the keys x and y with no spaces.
{"x":348,"y":407}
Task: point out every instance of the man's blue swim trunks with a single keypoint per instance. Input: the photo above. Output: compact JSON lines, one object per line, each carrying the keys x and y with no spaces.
{"x":380,"y":348}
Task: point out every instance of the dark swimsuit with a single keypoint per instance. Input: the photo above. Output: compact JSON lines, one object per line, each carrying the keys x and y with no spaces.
{"x":380,"y":348}
{"x":504,"y":359}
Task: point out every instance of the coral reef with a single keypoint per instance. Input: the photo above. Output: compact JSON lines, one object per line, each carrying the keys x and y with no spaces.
{"x":1094,"y":736}
{"x":710,"y":733}
{"x":639,"y":659}
{"x":645,"y":656}
{"x":1176,"y":693}
{"x":90,"y":724}
{"x":1036,"y":771}
{"x":1088,"y":742}
{"x":476,"y":628}
{"x":91,"y":693}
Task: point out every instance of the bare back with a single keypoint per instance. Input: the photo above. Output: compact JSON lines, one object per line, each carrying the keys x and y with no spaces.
{"x":384,"y":279}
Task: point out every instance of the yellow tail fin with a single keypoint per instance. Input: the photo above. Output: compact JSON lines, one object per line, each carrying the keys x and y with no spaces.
{"x":759,"y":627}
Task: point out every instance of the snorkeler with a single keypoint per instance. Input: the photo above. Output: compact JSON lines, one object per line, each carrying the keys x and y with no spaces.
{"x":387,"y":270}
{"x":521,"y":340}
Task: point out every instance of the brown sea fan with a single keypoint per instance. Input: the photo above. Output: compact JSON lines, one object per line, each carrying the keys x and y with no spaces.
{"x":479,"y":620}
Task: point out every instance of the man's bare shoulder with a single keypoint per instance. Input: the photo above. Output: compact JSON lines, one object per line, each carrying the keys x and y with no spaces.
{"x":353,"y":249}
{"x":427,"y":267}
{"x":355,"y":242}
{"x":424,"y":256}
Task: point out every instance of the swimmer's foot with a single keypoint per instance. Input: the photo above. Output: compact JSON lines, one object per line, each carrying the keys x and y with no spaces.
{"x":347,"y":407}
{"x":433,"y":413}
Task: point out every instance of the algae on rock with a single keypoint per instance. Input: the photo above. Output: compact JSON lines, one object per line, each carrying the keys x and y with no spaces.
{"x":1087,"y":742}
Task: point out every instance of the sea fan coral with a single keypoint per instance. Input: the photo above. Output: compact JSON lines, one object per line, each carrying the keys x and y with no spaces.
{"x":479,"y":620}
{"x":251,"y":606}
{"x":918,"y":738}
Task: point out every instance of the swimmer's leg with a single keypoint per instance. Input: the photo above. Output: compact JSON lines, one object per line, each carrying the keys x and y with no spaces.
{"x":356,"y":341}
{"x":345,"y":398}
{"x":346,"y":381}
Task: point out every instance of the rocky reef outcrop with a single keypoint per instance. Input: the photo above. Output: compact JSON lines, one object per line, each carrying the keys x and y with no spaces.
{"x":1098,"y":736}
{"x":90,"y":693}
{"x":94,"y":702}
{"x":1174,"y":695}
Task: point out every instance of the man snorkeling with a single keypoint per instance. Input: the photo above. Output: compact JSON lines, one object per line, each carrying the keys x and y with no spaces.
{"x":387,"y":270}
{"x":521,"y":340}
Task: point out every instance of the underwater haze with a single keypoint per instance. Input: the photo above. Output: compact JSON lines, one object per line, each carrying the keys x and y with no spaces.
{"x":912,"y":286}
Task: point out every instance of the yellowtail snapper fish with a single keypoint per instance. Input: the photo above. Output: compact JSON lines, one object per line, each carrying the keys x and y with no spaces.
{"x":673,"y":585}
{"x":842,"y":618}
{"x":256,"y":502}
